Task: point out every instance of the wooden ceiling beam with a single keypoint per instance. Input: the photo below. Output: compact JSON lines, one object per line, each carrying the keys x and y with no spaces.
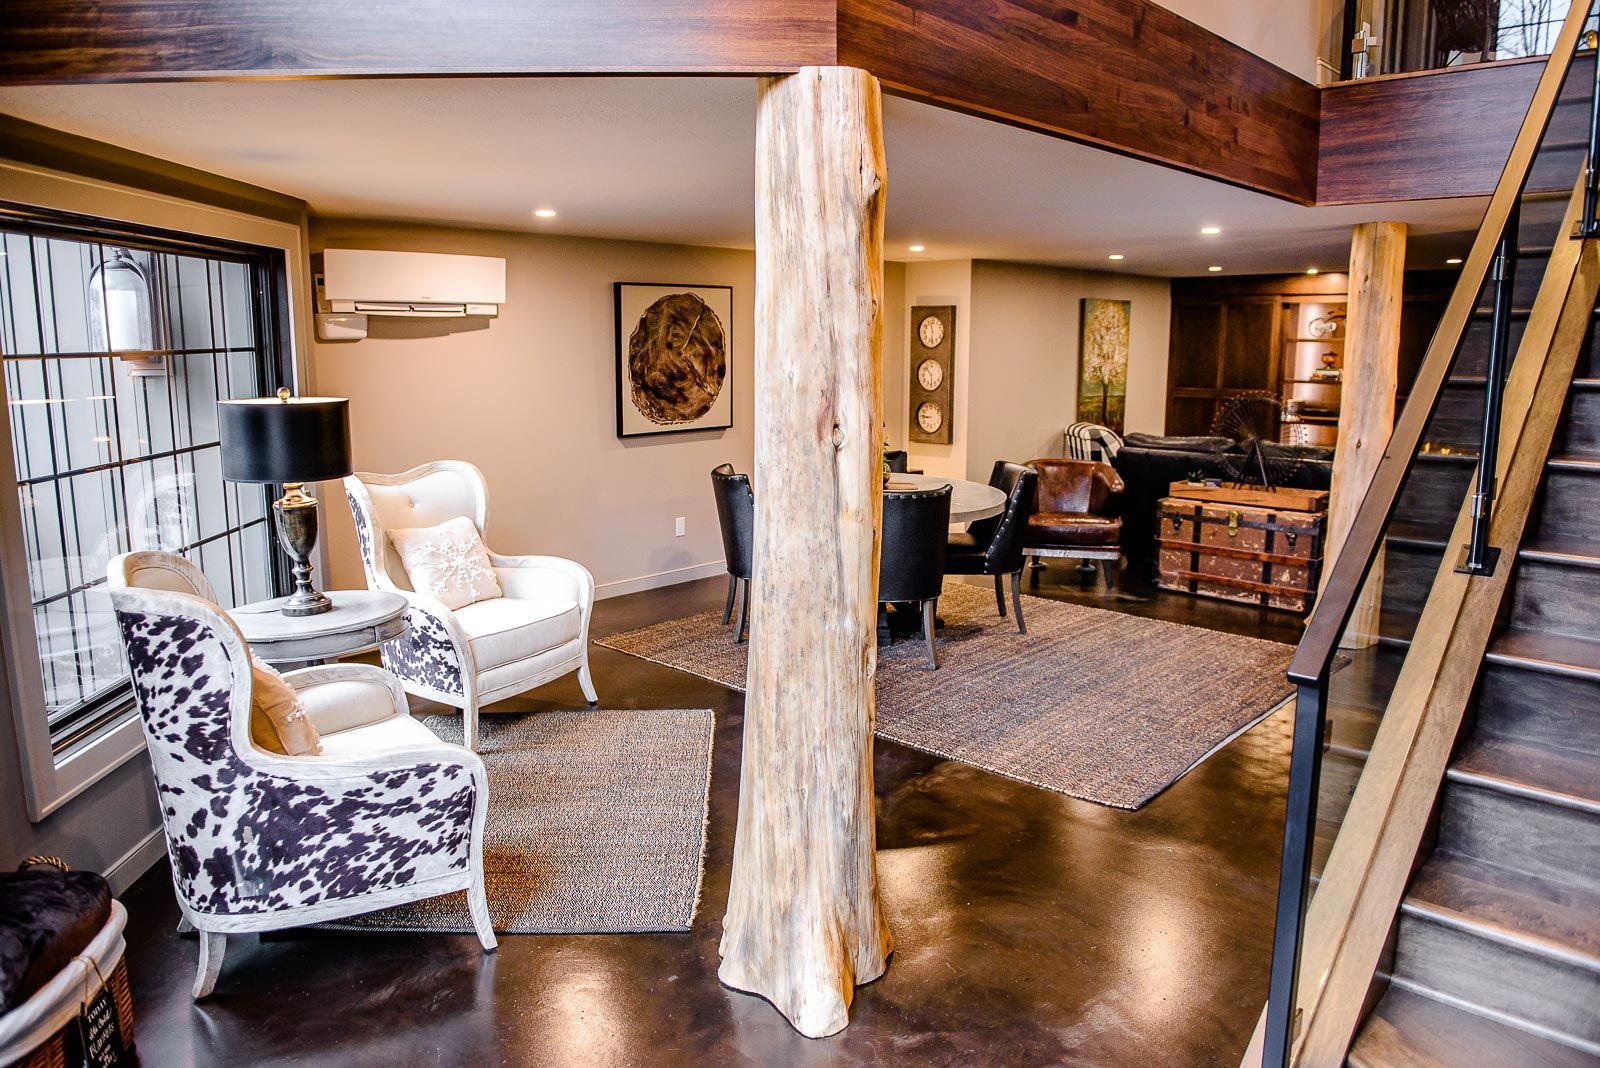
{"x":1127,"y":76}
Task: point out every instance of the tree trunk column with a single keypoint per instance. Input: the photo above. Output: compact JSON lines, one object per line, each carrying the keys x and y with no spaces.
{"x":804,"y":923}
{"x":1366,"y":401}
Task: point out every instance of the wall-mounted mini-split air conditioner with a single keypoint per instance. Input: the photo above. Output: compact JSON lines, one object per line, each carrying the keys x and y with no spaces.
{"x":357,"y":283}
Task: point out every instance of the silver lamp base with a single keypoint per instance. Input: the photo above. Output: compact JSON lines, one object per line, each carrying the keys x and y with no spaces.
{"x":295,"y":515}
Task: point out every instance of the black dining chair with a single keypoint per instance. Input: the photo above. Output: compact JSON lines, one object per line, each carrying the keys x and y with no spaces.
{"x":993,"y":546}
{"x":912,"y":554}
{"x":896,"y":459}
{"x":736,"y":512}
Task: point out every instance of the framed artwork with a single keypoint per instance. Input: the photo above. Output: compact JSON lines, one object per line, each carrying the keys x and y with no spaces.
{"x":1103,"y":362}
{"x":674,"y":358}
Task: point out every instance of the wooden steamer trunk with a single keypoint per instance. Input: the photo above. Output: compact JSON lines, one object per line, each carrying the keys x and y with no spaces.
{"x":1242,"y":543}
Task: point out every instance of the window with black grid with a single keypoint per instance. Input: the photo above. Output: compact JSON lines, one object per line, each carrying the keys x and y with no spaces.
{"x":115,"y":354}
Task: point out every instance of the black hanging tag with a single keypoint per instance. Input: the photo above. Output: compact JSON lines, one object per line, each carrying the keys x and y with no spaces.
{"x":100,"y":1041}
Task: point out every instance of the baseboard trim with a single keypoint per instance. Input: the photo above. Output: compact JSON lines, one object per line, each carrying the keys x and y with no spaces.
{"x":136,"y":861}
{"x":660,"y":579}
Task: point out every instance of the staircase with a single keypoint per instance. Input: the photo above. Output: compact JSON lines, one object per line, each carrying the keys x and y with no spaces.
{"x":1497,"y":943}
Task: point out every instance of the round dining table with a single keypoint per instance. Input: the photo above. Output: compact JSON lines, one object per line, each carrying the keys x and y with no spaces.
{"x":969,"y":501}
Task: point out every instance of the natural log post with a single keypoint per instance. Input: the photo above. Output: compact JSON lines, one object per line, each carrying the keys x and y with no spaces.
{"x":1366,"y":399}
{"x":804,"y":923}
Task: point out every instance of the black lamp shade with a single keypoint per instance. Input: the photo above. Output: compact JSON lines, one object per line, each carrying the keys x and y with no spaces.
{"x":301,"y":439}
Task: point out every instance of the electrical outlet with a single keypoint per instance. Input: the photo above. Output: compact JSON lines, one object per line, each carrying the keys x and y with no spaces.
{"x":678,"y":530}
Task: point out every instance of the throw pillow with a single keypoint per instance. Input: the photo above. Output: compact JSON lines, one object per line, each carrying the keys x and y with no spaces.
{"x":278,"y":720}
{"x":448,"y":562}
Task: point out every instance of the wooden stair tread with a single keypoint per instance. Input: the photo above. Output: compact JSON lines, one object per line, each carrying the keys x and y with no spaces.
{"x":1410,"y":1030}
{"x":1509,"y":908}
{"x":1577,"y":552}
{"x":1419,"y":535}
{"x":1575,"y":461}
{"x":1542,"y":773}
{"x":1557,"y":654}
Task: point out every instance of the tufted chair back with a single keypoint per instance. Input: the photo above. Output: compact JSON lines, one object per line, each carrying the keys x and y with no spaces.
{"x":151,"y":570}
{"x":1081,"y":486}
{"x":1002,"y":534}
{"x":915,"y":525}
{"x":424,"y":496}
{"x":736,"y":512}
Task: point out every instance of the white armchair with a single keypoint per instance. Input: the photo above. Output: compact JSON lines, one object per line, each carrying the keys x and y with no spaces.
{"x":385,"y":815}
{"x":469,"y":657}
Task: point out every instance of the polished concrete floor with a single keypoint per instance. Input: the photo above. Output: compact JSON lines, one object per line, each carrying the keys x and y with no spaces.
{"x":1030,"y":928}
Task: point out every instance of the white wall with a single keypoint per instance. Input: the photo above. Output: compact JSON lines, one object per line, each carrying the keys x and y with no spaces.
{"x":530,"y":397}
{"x":1284,"y":32}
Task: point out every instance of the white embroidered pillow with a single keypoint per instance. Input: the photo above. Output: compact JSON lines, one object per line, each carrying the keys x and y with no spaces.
{"x":448,"y":562}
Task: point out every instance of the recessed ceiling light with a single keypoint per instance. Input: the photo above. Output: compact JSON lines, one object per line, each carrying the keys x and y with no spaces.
{"x":544,"y":213}
{"x":1453,"y":260}
{"x":1115,"y":256}
{"x":1211,"y":231}
{"x":919,"y":248}
{"x":1213,"y":268}
{"x":1311,"y":270}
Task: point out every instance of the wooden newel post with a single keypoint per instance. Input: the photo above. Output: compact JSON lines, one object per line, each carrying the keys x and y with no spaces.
{"x":1366,"y":405}
{"x":804,"y":923}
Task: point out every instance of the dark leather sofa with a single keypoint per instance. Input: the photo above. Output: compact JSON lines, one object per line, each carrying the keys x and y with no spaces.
{"x":1149,"y":464}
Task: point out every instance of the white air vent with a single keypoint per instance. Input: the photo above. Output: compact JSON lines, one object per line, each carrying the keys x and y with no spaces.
{"x":412,"y":284}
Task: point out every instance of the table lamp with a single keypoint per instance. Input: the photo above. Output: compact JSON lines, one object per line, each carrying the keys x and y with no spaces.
{"x":289,"y":440}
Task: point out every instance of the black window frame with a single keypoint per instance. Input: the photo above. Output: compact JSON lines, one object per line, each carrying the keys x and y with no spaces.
{"x":269,"y":293}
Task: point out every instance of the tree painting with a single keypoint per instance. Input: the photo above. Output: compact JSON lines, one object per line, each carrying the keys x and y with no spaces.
{"x":1103,"y":362}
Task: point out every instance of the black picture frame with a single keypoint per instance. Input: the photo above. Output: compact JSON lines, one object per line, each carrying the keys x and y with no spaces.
{"x":625,"y":317}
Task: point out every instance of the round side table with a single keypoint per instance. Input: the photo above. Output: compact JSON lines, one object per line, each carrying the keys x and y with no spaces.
{"x":360,"y":620}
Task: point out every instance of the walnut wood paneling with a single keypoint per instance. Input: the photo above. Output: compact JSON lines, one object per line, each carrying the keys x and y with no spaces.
{"x":125,"y":40}
{"x":1437,"y":134}
{"x":1127,"y":75}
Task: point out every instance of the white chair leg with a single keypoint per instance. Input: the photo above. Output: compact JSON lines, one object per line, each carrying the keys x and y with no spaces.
{"x":212,"y":946}
{"x":184,"y":926}
{"x":478,"y":905}
{"x":586,"y":681}
{"x":469,"y":726}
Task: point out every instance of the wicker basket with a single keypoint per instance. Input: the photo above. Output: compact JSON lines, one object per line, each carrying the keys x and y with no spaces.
{"x":46,"y":1031}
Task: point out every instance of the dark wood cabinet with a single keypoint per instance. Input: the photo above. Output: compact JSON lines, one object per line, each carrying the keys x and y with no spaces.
{"x":1237,"y":335}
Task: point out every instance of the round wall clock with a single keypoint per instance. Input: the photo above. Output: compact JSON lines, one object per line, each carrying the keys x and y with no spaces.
{"x":930,"y":417}
{"x":930,"y":331}
{"x":929,"y":374}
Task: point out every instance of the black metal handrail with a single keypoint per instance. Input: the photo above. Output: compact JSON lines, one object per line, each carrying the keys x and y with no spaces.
{"x":1493,"y":249}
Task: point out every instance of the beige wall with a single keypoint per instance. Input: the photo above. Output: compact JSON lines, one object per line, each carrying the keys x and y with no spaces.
{"x":1284,"y":32}
{"x":530,"y":397}
{"x":895,"y":312}
{"x":1017,"y":356}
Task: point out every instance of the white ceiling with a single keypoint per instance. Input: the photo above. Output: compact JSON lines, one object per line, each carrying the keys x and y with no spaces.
{"x":672,"y":159}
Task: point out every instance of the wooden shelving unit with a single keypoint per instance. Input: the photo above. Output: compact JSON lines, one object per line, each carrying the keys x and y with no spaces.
{"x":1313,"y":339}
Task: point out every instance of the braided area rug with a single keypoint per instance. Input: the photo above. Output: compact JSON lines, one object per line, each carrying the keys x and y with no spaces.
{"x":596,"y":823}
{"x":1104,"y":706}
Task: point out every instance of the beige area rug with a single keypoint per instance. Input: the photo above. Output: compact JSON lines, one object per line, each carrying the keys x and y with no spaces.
{"x":1101,"y":705}
{"x":596,"y":823}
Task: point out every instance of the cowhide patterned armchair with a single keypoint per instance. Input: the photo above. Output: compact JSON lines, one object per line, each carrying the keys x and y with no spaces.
{"x":494,"y":649}
{"x":259,"y":842}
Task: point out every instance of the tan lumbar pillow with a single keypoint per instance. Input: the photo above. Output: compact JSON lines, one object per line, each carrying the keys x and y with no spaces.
{"x":278,"y":720}
{"x":448,"y":562}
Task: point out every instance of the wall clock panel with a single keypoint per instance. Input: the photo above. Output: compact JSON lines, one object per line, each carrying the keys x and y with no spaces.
{"x":933,"y":370}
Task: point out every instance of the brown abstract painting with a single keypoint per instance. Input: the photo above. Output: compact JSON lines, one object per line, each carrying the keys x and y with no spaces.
{"x":674,"y":358}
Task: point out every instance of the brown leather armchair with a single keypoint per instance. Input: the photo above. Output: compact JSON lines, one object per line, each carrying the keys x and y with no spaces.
{"x":1079,"y":513}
